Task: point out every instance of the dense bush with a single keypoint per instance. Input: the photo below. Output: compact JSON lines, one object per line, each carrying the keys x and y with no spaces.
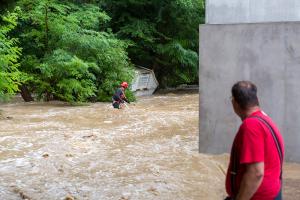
{"x":163,"y":33}
{"x":9,"y":55}
{"x":81,"y":50}
{"x":68,"y":55}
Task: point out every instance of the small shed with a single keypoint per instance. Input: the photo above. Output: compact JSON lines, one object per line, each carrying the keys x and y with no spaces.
{"x":145,"y":82}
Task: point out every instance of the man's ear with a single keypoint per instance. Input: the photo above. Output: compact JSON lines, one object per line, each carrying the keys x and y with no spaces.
{"x":236,"y":106}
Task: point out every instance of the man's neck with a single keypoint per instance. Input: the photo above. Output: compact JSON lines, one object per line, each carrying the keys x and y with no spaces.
{"x":249,"y":111}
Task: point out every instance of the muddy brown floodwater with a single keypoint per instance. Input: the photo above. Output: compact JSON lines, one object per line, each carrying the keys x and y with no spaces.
{"x":146,"y":151}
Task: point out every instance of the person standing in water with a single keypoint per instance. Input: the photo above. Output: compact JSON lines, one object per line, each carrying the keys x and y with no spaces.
{"x":119,"y":97}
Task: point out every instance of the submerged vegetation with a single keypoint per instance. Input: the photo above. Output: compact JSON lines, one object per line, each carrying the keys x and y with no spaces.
{"x":81,"y":50}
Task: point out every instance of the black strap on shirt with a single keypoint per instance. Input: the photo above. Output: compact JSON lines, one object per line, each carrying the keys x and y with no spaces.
{"x":234,"y":168}
{"x":276,"y":140}
{"x":235,"y":158}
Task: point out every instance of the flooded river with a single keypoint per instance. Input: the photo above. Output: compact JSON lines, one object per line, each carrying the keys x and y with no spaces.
{"x":149,"y":150}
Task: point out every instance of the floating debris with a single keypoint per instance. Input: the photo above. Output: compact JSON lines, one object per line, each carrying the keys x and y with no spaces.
{"x":22,"y":194}
{"x":45,"y":155}
{"x":153,"y":191}
{"x":88,"y":136}
{"x":125,"y":196}
{"x":69,"y":197}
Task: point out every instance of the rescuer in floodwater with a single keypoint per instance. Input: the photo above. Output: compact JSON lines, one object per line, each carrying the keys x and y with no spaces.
{"x":119,"y":98}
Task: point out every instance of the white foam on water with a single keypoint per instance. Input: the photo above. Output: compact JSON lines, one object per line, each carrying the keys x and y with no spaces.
{"x":97,"y":152}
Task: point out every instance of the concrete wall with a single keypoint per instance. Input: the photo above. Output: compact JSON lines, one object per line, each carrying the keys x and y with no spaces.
{"x":245,"y":11}
{"x":267,"y":54}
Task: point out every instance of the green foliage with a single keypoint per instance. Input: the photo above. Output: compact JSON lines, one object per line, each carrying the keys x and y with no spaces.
{"x":80,"y":50}
{"x":185,"y":62}
{"x":64,"y":77}
{"x":9,"y":55}
{"x":6,"y":5}
{"x":107,"y":52}
{"x":164,"y":34}
{"x":67,"y":53}
{"x":130,"y":96}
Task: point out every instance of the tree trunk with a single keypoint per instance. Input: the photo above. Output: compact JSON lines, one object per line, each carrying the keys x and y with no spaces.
{"x":48,"y":96}
{"x":25,"y":93}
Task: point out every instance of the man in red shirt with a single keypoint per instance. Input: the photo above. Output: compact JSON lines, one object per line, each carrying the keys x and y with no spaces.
{"x":257,"y":152}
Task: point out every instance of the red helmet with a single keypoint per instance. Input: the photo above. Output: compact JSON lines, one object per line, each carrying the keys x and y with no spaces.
{"x":124,"y":85}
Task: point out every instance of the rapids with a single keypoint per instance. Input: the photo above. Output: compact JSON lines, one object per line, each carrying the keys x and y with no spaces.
{"x":149,"y":150}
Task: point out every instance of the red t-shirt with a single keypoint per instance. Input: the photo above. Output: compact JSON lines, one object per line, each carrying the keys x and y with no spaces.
{"x":254,"y":143}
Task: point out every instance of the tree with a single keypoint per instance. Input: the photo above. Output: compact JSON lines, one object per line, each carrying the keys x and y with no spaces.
{"x":9,"y":55}
{"x":66,"y":52}
{"x":7,"y":5}
{"x":80,"y":50}
{"x":163,"y":35}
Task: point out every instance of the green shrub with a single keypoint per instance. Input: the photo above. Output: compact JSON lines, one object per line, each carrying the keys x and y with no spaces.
{"x":68,"y":55}
{"x":9,"y":56}
{"x":64,"y":77}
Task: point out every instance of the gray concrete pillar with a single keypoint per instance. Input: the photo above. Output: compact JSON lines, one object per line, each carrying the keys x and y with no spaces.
{"x":267,"y":53}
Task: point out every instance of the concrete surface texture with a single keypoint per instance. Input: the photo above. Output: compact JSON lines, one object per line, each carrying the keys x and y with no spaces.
{"x":251,"y":11}
{"x":267,"y":54}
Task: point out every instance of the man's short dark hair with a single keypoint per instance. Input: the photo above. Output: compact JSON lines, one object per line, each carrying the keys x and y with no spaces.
{"x":245,"y":94}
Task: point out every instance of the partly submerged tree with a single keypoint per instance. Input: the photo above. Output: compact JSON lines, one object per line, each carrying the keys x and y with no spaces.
{"x":9,"y":55}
